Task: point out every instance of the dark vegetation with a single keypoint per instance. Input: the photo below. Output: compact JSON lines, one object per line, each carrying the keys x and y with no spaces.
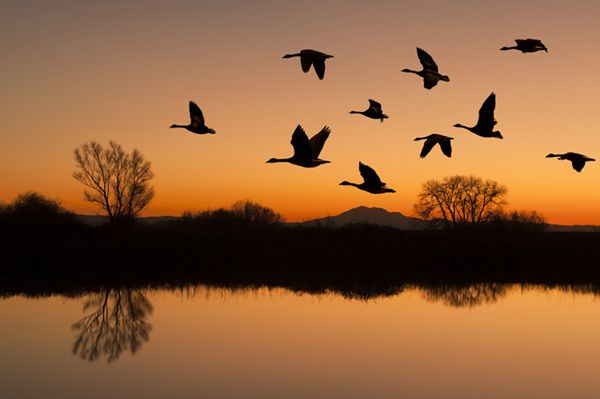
{"x":46,"y":250}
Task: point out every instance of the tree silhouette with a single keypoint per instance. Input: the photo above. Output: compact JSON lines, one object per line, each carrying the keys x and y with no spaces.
{"x":465,"y":296}
{"x":253,"y":212}
{"x":459,"y":201}
{"x":116,"y":181}
{"x":117,"y":323}
{"x":31,"y":211}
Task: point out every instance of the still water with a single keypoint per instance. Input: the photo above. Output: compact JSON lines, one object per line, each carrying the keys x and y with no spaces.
{"x":487,"y":341}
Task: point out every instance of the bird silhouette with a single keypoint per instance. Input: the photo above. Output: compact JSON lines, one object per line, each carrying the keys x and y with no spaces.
{"x":577,"y":160}
{"x":527,"y":46}
{"x":196,"y":121}
{"x":429,"y":73}
{"x":432,"y":140}
{"x":311,"y":57}
{"x":306,"y":152}
{"x":371,"y":181}
{"x":374,"y":111}
{"x":486,"y":122}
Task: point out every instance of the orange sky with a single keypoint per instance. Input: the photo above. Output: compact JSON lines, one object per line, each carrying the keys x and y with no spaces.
{"x":75,"y":71}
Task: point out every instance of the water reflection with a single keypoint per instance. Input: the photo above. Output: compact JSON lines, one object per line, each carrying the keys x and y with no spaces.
{"x":465,"y":296}
{"x":115,"y":321}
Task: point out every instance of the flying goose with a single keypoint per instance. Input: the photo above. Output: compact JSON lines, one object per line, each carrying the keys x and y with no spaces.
{"x":432,"y":140}
{"x":486,"y":122}
{"x":429,"y":73}
{"x":371,"y":181}
{"x":314,"y":58}
{"x":306,"y":152}
{"x":527,"y":46}
{"x":374,"y":111}
{"x":196,"y":121}
{"x":577,"y":160}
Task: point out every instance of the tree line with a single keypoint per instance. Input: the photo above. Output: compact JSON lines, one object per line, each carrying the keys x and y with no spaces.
{"x":119,"y":184}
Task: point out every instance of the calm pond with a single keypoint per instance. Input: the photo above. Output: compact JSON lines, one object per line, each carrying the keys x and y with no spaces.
{"x":483,"y":341}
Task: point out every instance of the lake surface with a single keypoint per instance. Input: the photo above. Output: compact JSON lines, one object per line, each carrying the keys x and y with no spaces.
{"x":487,"y":341}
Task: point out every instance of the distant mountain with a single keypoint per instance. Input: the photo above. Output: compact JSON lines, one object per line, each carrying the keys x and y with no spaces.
{"x":359,"y":215}
{"x":363,"y":214}
{"x":576,"y":228}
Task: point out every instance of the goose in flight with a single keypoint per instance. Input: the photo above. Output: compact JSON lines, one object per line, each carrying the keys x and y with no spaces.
{"x":432,"y":140}
{"x":314,"y":58}
{"x":196,"y":121}
{"x":486,"y":122}
{"x":429,"y":73}
{"x":577,"y":160}
{"x":374,"y":111}
{"x":527,"y":46}
{"x":371,"y":181}
{"x":306,"y":152}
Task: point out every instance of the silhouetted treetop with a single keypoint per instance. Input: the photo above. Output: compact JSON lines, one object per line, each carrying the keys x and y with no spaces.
{"x":239,"y":214}
{"x":118,"y":182}
{"x":32,"y":210}
{"x":460,"y":200}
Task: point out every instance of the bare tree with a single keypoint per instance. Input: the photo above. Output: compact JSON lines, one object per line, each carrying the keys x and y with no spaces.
{"x":116,"y":181}
{"x":460,"y":200}
{"x":117,"y":322}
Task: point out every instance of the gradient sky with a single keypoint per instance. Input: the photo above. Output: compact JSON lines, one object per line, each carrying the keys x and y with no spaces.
{"x":74,"y":71}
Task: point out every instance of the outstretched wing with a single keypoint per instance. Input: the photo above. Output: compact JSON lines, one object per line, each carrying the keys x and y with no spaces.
{"x":446,"y":146}
{"x":306,"y":62}
{"x":426,"y":60}
{"x":375,"y":106}
{"x":369,"y":175}
{"x":319,"y":66}
{"x":578,"y":164}
{"x":486,"y":113}
{"x":429,"y":81}
{"x":318,"y":141}
{"x":302,"y":148}
{"x":535,"y":42}
{"x":427,"y":146}
{"x":196,"y":117}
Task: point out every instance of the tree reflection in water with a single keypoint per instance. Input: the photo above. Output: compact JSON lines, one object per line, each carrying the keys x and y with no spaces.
{"x":465,"y":296}
{"x":117,"y":322}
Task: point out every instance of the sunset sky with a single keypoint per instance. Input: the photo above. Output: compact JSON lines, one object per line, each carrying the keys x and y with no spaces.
{"x":73,"y":71}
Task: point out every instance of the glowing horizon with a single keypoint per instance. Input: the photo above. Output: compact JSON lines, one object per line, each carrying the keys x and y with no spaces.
{"x":79,"y":72}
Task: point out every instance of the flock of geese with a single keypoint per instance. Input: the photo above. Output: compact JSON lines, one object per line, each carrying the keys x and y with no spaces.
{"x":307,"y":151}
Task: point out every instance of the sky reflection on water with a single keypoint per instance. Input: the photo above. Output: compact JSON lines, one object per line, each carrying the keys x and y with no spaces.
{"x":491,"y":340}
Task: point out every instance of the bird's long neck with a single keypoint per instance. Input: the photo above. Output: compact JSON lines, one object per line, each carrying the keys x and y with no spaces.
{"x":509,"y":48}
{"x":174,"y":125}
{"x":276,"y":160}
{"x":410,"y":71}
{"x":356,"y":112}
{"x":463,"y":126}
{"x":347,"y":183}
{"x":291,"y":55}
{"x":420,"y":138}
